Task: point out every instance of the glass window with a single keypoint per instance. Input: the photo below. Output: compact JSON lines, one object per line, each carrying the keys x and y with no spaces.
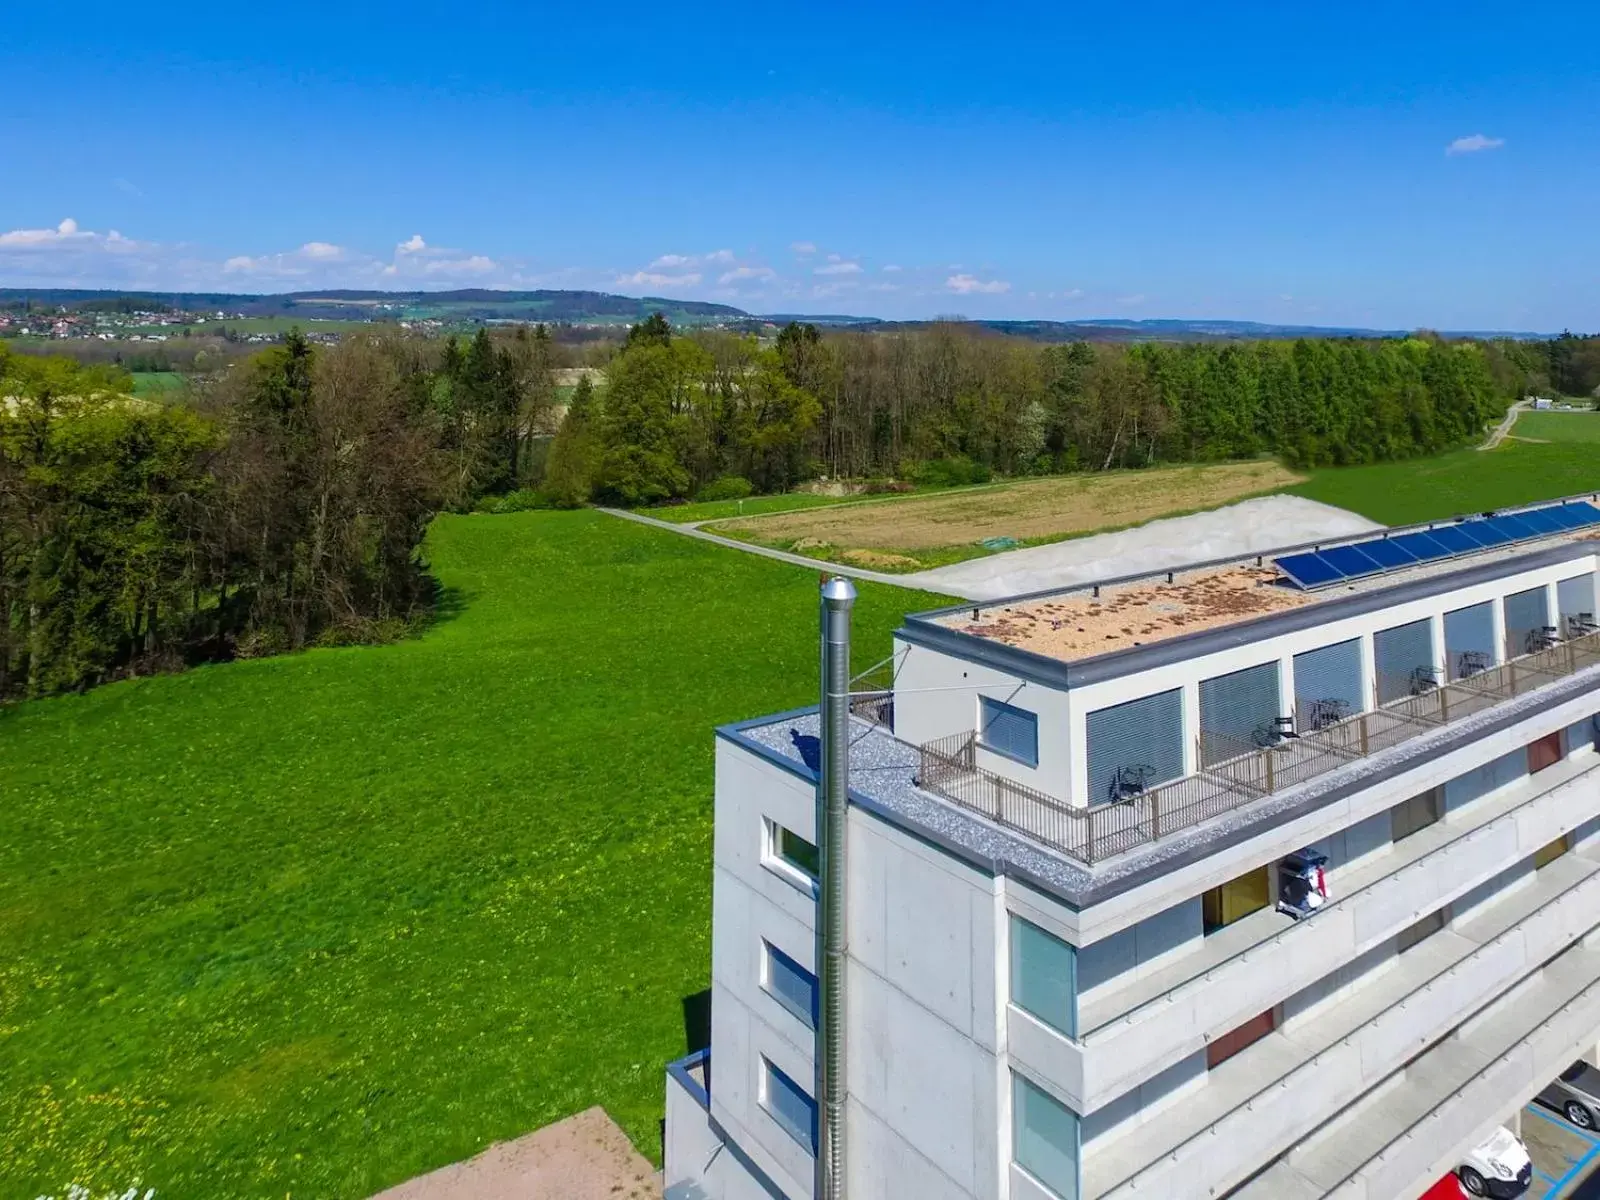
{"x":1416,"y":814}
{"x":790,"y":984}
{"x":1044,"y":976}
{"x":1044,"y":1137}
{"x":790,"y":1105}
{"x":1008,"y":730}
{"x":789,"y":849}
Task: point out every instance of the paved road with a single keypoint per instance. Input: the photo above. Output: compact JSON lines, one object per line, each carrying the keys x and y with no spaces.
{"x":798,"y":560}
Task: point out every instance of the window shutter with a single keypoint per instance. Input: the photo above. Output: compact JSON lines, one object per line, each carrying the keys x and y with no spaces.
{"x":1469,"y":639}
{"x":1398,"y":655}
{"x":1526,"y":613}
{"x":1234,"y":708}
{"x":1328,"y":677}
{"x":1146,"y":732}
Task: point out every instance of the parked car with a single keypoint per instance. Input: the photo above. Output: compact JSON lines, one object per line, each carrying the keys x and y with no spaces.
{"x":1576,"y":1095}
{"x":1498,"y":1166}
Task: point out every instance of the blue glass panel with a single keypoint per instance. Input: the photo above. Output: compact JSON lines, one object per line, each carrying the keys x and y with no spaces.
{"x":792,"y":985}
{"x":1422,"y":545}
{"x":1350,"y":561}
{"x":1308,"y":570}
{"x":1386,"y":554}
{"x":1485,"y":533}
{"x":792,"y":1108}
{"x":1044,"y":972}
{"x":1044,"y":1137}
{"x":1516,"y":530}
{"x":1541,"y":521}
{"x":1455,"y":539}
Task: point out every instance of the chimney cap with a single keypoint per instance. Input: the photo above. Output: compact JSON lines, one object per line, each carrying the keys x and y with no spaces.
{"x":839,"y":591}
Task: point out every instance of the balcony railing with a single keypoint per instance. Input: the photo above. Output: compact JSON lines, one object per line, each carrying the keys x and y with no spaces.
{"x":1097,"y":832}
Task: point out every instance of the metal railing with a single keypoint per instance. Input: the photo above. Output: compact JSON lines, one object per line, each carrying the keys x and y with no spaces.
{"x":1092,"y":834}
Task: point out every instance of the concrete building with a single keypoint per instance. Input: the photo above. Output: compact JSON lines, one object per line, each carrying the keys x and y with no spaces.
{"x":1069,"y":826}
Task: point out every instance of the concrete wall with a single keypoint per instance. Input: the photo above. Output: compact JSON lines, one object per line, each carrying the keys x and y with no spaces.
{"x":927,"y":946}
{"x":700,"y":1164}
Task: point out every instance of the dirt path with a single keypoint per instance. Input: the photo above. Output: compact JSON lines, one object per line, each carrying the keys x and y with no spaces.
{"x":586,"y":1157}
{"x":1503,"y":430}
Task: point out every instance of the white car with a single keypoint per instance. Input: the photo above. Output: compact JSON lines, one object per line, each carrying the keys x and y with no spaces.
{"x":1498,"y":1166}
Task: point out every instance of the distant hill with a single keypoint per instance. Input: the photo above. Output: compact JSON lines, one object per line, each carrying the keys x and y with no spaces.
{"x":472,"y":305}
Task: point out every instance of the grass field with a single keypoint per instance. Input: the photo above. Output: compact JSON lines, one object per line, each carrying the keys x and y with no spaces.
{"x":1464,"y":481}
{"x":717,"y":510}
{"x":924,"y":531}
{"x":1558,"y":427}
{"x":305,"y":927}
{"x":153,"y":383}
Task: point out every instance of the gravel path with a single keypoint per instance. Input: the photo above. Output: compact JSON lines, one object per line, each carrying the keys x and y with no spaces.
{"x":1503,"y":430}
{"x":586,"y":1157}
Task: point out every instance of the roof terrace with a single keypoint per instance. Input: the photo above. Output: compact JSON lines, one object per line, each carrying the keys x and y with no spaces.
{"x":1084,"y":622}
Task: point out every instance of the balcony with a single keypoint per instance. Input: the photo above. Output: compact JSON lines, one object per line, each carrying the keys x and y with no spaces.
{"x":1095,"y":833}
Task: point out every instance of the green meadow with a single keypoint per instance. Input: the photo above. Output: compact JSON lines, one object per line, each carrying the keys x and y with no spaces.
{"x":308,"y":926}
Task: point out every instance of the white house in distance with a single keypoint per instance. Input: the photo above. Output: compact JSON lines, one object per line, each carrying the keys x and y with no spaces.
{"x":1275,"y":879}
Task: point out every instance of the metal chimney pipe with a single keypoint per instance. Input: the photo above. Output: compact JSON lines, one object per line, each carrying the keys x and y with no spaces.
{"x":833,"y":802}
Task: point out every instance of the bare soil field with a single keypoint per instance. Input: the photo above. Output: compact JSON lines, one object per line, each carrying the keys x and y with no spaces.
{"x":923,"y":530}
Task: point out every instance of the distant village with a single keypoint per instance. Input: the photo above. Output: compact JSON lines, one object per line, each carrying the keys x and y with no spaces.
{"x":145,"y":326}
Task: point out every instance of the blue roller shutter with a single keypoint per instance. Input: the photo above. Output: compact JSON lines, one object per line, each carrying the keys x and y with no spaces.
{"x":1328,"y":682}
{"x":1401,"y":656}
{"x":1146,"y":732}
{"x":1469,"y":640}
{"x":1526,"y":614}
{"x":1233,"y":708}
{"x":1575,"y":598}
{"x":1009,"y":730}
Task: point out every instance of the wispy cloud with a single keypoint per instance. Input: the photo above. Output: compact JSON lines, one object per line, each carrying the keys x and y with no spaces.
{"x":127,"y":186}
{"x":971,"y":285}
{"x":659,"y":279}
{"x":838,"y":266}
{"x":739,"y":274}
{"x":803,"y":248}
{"x":1475,"y":143}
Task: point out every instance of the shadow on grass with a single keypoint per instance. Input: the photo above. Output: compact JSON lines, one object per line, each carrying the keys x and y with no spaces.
{"x":448,"y":604}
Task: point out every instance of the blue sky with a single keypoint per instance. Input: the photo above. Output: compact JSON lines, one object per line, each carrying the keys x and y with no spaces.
{"x":1274,"y":162}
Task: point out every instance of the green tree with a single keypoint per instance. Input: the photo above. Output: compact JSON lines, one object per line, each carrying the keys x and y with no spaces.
{"x":573,"y":463}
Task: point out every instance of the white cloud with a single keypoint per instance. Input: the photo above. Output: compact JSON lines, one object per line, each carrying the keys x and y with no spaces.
{"x":742,"y":273}
{"x":969,"y":285}
{"x":836,"y":266}
{"x":721,"y":256}
{"x":66,"y":231}
{"x":803,"y":247}
{"x":890,"y":267}
{"x":657,"y":279}
{"x":670,"y":261}
{"x":412,"y":245}
{"x":322,"y":250}
{"x":1474,"y":144}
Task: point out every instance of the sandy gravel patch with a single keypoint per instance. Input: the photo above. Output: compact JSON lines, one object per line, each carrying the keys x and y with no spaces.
{"x":1029,"y":509}
{"x":586,"y":1157}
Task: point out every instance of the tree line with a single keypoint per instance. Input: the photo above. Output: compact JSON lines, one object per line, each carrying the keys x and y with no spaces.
{"x":718,"y":411}
{"x":280,"y":504}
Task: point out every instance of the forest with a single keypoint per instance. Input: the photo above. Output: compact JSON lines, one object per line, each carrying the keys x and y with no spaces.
{"x":718,"y":413}
{"x":282,"y":502}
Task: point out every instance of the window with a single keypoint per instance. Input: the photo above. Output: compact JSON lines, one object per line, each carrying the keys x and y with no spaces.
{"x":1546,"y":855}
{"x":1544,"y":753}
{"x":790,"y":1105}
{"x":1417,"y":813}
{"x":1527,"y":614}
{"x":1044,"y":976}
{"x":1236,"y":899}
{"x":1044,"y":1137}
{"x":1421,"y":931}
{"x":790,"y":984}
{"x":1235,"y":1040}
{"x":1238,"y":713}
{"x":1469,"y":647}
{"x":1402,"y":657}
{"x":1135,"y":745}
{"x":1007,"y":730}
{"x":791,"y":854}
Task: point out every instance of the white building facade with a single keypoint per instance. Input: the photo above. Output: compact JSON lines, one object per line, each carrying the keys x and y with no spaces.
{"x":1069,"y":973}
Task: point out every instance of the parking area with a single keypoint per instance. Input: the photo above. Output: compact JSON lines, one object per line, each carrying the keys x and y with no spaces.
{"x":1566,"y":1160}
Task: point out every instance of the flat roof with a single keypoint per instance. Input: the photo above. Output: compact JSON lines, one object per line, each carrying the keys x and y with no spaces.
{"x":1088,"y":621}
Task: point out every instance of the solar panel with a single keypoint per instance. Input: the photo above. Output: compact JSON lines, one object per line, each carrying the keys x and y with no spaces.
{"x":1350,"y":561}
{"x":1514,"y":529}
{"x":1484,"y":534}
{"x":1541,"y":520}
{"x":1308,"y":570}
{"x":1422,"y":545}
{"x":1386,"y":553}
{"x":1455,"y":538}
{"x":1566,"y":516}
{"x":1586,"y":512}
